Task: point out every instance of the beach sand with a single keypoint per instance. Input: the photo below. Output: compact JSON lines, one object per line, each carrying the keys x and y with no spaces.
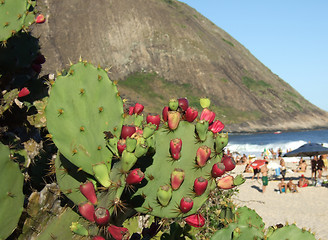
{"x":307,"y":209}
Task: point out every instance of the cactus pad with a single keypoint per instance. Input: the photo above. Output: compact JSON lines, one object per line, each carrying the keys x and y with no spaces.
{"x":291,"y":232}
{"x":83,"y":104}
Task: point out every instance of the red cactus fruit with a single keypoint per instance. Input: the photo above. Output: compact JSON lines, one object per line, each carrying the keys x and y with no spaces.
{"x":173,"y":119}
{"x":200,"y":185}
{"x":218,"y":170}
{"x":195,"y":220}
{"x":87,"y":210}
{"x":154,"y":119}
{"x":165,"y":113}
{"x":175,"y":145}
{"x":23,"y":92}
{"x":177,"y":177}
{"x":225,"y":182}
{"x":202,"y":155}
{"x":207,"y":115}
{"x":183,"y":103}
{"x":88,"y":190}
{"x":36,"y":67}
{"x":138,"y":108}
{"x":118,"y":233}
{"x":101,"y":216}
{"x":131,"y":110}
{"x":176,"y":156}
{"x":228,"y":162}
{"x":40,"y":59}
{"x":216,"y":126}
{"x":127,"y":131}
{"x":40,"y":18}
{"x":186,"y":204}
{"x":98,"y":238}
{"x":191,"y":114}
{"x":135,"y":176}
{"x":121,"y":145}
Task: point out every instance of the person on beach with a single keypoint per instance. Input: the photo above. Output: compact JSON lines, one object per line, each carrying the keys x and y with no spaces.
{"x":282,"y":186}
{"x":302,"y":166}
{"x":303,"y":182}
{"x":292,"y":187}
{"x":320,"y":166}
{"x":283,"y":167}
{"x":325,"y":161}
{"x":256,"y":172}
{"x":264,"y":172}
{"x":314,"y":161}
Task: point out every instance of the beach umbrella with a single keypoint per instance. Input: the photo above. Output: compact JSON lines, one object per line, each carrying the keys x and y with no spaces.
{"x":308,"y":150}
{"x":258,"y":163}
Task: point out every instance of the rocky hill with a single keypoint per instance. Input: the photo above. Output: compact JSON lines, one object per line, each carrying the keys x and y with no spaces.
{"x":160,"y":49}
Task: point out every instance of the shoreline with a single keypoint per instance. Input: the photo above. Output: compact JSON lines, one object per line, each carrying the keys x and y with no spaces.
{"x":307,"y":208}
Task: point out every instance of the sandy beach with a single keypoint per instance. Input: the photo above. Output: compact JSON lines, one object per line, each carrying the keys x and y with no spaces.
{"x":307,"y":209}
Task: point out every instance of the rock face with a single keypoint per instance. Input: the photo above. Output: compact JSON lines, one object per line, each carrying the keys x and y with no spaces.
{"x":160,"y":49}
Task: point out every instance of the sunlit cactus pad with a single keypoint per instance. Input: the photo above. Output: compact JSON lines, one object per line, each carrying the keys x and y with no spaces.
{"x":83,"y":104}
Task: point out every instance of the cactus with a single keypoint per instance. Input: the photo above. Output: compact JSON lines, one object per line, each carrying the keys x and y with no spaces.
{"x":78,"y":115}
{"x":15,"y":15}
{"x":291,"y":232}
{"x":11,"y":193}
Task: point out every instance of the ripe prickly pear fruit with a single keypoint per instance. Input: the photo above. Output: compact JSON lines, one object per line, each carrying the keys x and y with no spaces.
{"x":186,"y":204}
{"x":238,"y":180}
{"x":173,"y":119}
{"x":202,"y":155}
{"x":87,"y":210}
{"x":183,"y":104}
{"x":201,"y":129}
{"x":216,"y":126}
{"x":200,"y":186}
{"x":138,"y":108}
{"x":154,"y":119}
{"x":128,"y":160}
{"x":218,"y":170}
{"x":40,"y":19}
{"x":225,"y":182}
{"x":23,"y":92}
{"x":191,"y":114}
{"x":149,"y":130}
{"x":118,"y":233}
{"x":101,"y":173}
{"x":127,"y":131}
{"x":101,"y":216}
{"x":165,"y":113}
{"x":135,"y":177}
{"x":173,"y":104}
{"x":131,"y":144}
{"x":205,"y":102}
{"x":195,"y":220}
{"x":177,"y":177}
{"x":221,"y":141}
{"x":164,"y":195}
{"x":131,"y":110}
{"x":121,"y":146}
{"x":175,"y":145}
{"x":88,"y":190}
{"x":98,"y":238}
{"x":79,"y":229}
{"x":207,"y":115}
{"x":228,"y":162}
{"x":176,"y":156}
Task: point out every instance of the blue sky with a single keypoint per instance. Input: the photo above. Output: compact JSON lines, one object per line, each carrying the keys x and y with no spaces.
{"x":290,"y":37}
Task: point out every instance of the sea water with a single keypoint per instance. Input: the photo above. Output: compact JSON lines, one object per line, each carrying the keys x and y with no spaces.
{"x":256,"y":144}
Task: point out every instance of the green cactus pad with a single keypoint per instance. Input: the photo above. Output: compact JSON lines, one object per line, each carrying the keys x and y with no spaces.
{"x":14,"y":15}
{"x":238,"y":231}
{"x":159,"y":173}
{"x":83,"y":105}
{"x":11,"y":193}
{"x":69,"y":179}
{"x":247,"y":216}
{"x":291,"y":232}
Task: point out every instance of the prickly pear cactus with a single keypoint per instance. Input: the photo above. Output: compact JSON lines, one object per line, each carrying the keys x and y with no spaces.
{"x":14,"y":16}
{"x":83,"y":104}
{"x":291,"y":232}
{"x":11,"y":193}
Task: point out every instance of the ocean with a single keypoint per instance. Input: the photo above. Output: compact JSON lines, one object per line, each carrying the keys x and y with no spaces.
{"x":256,"y":144}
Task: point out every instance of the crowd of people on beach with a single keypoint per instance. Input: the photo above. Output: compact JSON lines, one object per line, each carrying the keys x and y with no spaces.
{"x":318,"y":165}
